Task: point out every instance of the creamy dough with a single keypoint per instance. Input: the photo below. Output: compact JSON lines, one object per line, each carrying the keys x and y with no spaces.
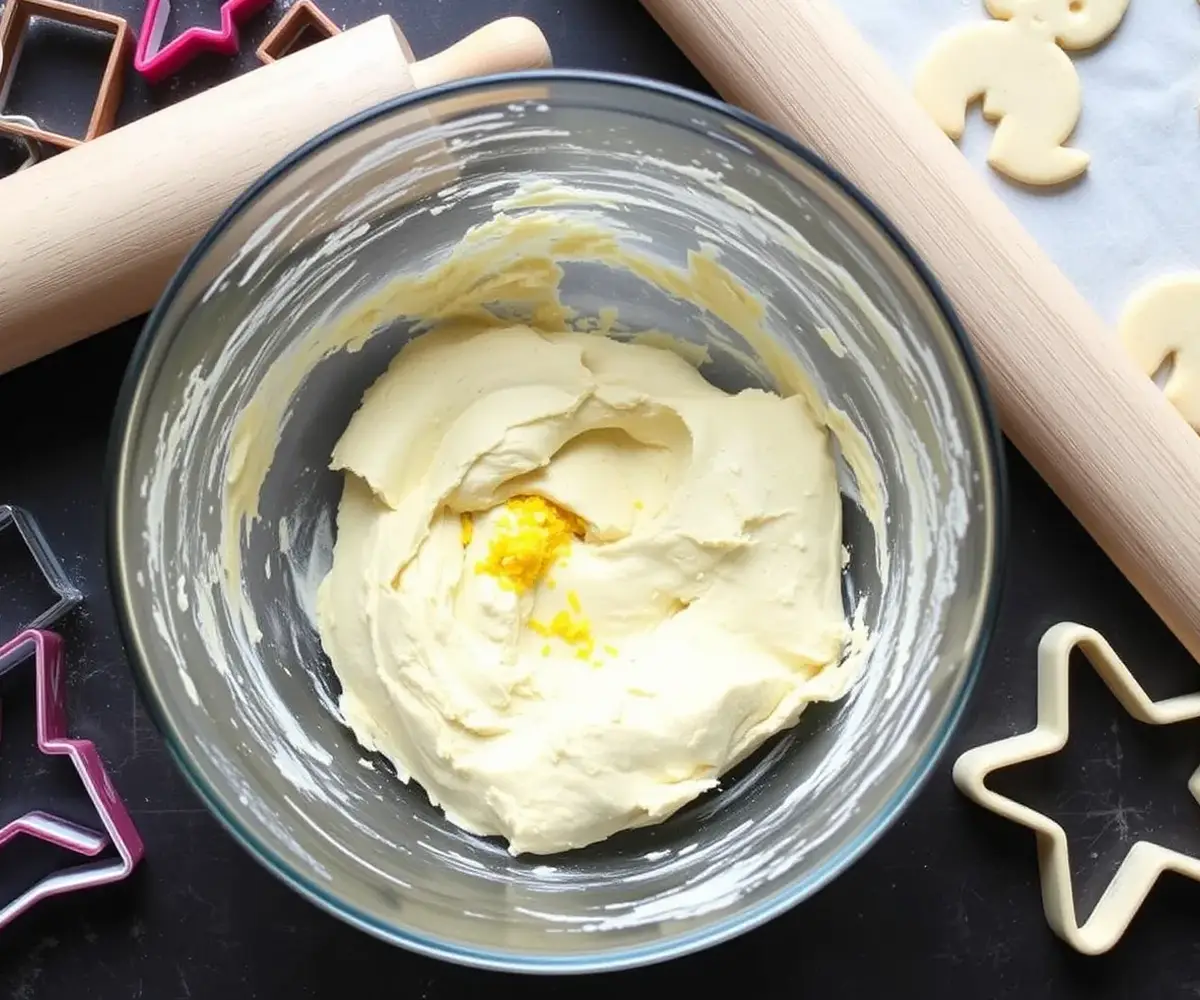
{"x":1028,"y":84}
{"x":1161,"y":324}
{"x":643,"y":641}
{"x":573,"y":582}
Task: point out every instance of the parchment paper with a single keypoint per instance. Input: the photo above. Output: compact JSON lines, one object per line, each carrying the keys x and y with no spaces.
{"x":1135,"y":213}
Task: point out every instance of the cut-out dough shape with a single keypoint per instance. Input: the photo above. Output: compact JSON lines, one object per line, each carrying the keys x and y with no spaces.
{"x":1028,"y":83}
{"x":1145,"y":861}
{"x":1160,"y":324}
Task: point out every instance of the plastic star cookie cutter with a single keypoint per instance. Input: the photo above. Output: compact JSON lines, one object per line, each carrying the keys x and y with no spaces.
{"x":45,"y":650}
{"x":156,"y":61}
{"x":1145,"y":861}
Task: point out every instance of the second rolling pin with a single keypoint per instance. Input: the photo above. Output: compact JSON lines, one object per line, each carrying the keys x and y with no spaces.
{"x":90,"y":238}
{"x":1096,"y":429}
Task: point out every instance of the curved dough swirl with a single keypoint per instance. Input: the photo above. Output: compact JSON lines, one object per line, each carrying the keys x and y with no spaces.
{"x":574,"y":583}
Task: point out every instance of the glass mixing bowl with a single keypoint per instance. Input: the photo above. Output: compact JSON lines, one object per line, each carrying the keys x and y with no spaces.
{"x":255,"y":727}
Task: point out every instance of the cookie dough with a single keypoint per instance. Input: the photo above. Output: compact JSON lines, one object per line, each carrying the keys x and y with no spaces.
{"x":1161,"y":325}
{"x":573,"y":582}
{"x":1028,"y":84}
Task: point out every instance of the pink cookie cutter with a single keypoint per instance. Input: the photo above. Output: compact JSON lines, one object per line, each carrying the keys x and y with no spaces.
{"x":45,"y":650}
{"x":156,"y":61}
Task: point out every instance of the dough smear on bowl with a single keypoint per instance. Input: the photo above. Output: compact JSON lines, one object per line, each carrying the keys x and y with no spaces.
{"x":574,"y":583}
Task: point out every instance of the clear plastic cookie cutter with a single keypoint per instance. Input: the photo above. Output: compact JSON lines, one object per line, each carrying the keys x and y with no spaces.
{"x":66,"y":593}
{"x":1145,"y":861}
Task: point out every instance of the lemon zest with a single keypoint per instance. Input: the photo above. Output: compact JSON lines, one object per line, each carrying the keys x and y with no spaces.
{"x":531,"y":535}
{"x":574,"y":631}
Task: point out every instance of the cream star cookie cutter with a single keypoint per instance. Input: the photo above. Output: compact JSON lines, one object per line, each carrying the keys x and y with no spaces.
{"x":1029,"y":86}
{"x":1159,"y":325}
{"x":1145,"y":861}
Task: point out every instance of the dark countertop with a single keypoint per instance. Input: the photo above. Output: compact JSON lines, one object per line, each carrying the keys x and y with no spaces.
{"x":945,"y":905}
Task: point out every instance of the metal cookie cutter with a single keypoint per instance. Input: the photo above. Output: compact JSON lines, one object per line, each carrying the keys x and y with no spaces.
{"x":14,"y":25}
{"x":302,"y":21}
{"x":45,"y":649}
{"x":67,"y":594}
{"x":1145,"y":861}
{"x":156,"y":61}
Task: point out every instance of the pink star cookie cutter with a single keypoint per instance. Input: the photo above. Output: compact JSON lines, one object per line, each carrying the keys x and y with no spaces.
{"x":45,"y":650}
{"x":156,"y":61}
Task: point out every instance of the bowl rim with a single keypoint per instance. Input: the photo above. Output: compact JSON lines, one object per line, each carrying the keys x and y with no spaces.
{"x":733,"y":925}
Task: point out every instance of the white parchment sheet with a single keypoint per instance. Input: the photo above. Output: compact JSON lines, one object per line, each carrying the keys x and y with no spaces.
{"x":1135,"y":213}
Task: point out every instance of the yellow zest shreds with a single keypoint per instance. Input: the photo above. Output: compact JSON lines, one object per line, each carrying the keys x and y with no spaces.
{"x":573,"y":601}
{"x":638,"y":505}
{"x":530,"y":535}
{"x":466,"y":528}
{"x":575,"y":632}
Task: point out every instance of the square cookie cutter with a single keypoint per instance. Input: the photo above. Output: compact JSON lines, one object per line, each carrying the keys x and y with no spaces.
{"x":156,"y":61}
{"x":14,"y":24}
{"x":45,"y":650}
{"x":302,"y":18}
{"x":67,"y":595}
{"x":1145,"y":862}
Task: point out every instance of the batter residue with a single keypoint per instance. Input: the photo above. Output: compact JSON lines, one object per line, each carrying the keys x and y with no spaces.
{"x":574,"y":583}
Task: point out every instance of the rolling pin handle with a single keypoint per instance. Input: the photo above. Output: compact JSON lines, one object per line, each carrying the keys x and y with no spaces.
{"x":504,"y":45}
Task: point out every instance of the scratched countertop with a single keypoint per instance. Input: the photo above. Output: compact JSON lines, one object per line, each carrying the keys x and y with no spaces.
{"x":947,"y":904}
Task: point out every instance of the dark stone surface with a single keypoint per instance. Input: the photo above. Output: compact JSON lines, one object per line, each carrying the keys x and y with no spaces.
{"x":945,"y":905}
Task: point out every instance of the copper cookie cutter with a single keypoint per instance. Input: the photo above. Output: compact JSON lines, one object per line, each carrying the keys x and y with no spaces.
{"x":13,"y":27}
{"x":1145,"y":861}
{"x":303,"y":24}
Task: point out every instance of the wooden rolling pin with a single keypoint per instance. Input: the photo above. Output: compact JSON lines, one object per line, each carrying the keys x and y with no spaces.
{"x":1096,"y":429}
{"x":91,"y":237}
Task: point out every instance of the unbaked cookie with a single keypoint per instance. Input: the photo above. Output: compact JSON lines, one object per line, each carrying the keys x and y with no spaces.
{"x":1161,"y":324}
{"x":1027,"y":82}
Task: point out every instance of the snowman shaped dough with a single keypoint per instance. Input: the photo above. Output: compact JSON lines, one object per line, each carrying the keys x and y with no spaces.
{"x":1027,"y":82}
